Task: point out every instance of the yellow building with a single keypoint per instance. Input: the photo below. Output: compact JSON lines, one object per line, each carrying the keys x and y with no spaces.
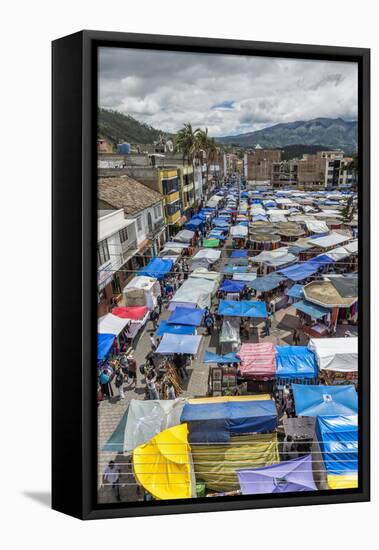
{"x":170,"y":186}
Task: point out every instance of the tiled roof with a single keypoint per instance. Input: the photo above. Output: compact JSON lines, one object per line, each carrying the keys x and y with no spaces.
{"x":127,"y":193}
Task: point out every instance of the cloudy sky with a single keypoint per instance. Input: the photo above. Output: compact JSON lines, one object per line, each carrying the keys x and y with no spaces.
{"x":228,"y":94}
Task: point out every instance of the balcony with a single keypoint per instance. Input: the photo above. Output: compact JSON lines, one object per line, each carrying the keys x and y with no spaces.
{"x":173,"y":218}
{"x":172,"y":197}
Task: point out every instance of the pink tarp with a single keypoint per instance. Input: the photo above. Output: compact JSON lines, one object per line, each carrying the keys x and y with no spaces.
{"x":135,"y":313}
{"x":258,"y":361}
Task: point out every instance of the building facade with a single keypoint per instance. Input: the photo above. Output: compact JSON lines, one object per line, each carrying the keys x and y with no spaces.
{"x":259,"y":163}
{"x":116,"y":246}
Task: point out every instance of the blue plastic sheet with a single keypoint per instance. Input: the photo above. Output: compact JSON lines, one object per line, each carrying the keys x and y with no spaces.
{"x":157,"y":268}
{"x":269,"y":282}
{"x":164,"y":326}
{"x":194,"y":224}
{"x":104,"y":345}
{"x":179,"y":343}
{"x":185,"y":316}
{"x":295,"y":362}
{"x":315,"y":311}
{"x":232,"y":286}
{"x":239,"y":254}
{"x":338,"y":438}
{"x":298,"y":271}
{"x":211,"y":357}
{"x":242,"y":308}
{"x":242,"y":416}
{"x":325,"y":400}
{"x":296,"y":291}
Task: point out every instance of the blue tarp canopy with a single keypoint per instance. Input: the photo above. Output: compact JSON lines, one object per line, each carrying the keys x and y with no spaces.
{"x":185,"y":316}
{"x":269,"y":282}
{"x":298,"y":271}
{"x":210,"y":357}
{"x":220,"y":223}
{"x":235,"y":269}
{"x":216,"y":421}
{"x":325,"y":400}
{"x":315,"y":311}
{"x":295,"y":362}
{"x":338,"y":438}
{"x":232,"y":286}
{"x":104,"y":345}
{"x":242,"y":308}
{"x":296,"y":291}
{"x":164,"y":326}
{"x":179,"y":343}
{"x":194,"y":224}
{"x":239,"y":254}
{"x":157,"y":268}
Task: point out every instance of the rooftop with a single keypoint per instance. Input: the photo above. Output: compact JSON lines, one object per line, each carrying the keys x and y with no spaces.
{"x":127,"y":193}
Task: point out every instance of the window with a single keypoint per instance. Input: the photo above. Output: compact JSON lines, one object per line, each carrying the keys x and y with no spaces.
{"x":123,"y":234}
{"x":139,"y":223}
{"x":157,"y":211}
{"x":102,"y":253}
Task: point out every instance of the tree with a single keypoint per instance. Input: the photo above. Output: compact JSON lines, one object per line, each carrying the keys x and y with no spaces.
{"x":186,"y":142}
{"x":348,"y":210}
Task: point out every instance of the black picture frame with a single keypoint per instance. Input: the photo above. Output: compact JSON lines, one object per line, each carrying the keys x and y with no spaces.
{"x":74,"y":419}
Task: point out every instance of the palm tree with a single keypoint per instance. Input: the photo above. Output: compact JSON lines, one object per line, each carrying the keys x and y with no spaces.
{"x":186,"y":142}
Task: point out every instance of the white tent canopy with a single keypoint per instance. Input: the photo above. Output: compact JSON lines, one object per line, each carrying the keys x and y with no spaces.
{"x":338,"y":253}
{"x":336,"y":354}
{"x":184,"y":236}
{"x":317,"y":226}
{"x":352,"y":247}
{"x":331,"y":240}
{"x":148,"y":418}
{"x":239,"y":231}
{"x":142,"y":291}
{"x":209,"y":254}
{"x":196,"y":291}
{"x":111,"y":324}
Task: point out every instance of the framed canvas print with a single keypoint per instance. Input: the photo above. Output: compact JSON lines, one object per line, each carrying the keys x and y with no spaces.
{"x":210,"y":275}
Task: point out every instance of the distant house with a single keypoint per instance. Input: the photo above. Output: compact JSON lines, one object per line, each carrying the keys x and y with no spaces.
{"x":104,"y":145}
{"x":141,"y":203}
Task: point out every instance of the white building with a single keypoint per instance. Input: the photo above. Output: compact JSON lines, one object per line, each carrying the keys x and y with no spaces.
{"x":116,"y":245}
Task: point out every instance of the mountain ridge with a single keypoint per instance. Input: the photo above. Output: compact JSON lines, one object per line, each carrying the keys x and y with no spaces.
{"x":333,"y":133}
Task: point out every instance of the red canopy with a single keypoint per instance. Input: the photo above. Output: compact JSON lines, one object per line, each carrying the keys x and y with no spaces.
{"x":258,"y":361}
{"x":135,"y":313}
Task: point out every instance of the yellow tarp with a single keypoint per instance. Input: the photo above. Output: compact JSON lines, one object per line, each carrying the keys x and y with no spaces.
{"x":347,"y":481}
{"x":163,"y":465}
{"x":216,"y":465}
{"x":229,"y":398}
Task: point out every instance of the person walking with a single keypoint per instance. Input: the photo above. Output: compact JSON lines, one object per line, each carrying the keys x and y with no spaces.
{"x":119,"y":382}
{"x":153,"y":341}
{"x":132,"y":370}
{"x":111,"y":477}
{"x":295,"y":337}
{"x":159,"y":304}
{"x":171,"y":391}
{"x":151,"y":386}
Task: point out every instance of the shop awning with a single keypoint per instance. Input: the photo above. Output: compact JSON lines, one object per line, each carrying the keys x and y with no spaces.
{"x":295,"y":362}
{"x":134,"y":313}
{"x":336,"y":354}
{"x":185,"y":316}
{"x":165,"y":327}
{"x":232,"y":286}
{"x":174,"y":343}
{"x":325,"y":400}
{"x":269,"y":282}
{"x":290,"y":476}
{"x":315,"y":311}
{"x":211,"y":357}
{"x":157,"y":267}
{"x":258,"y":361}
{"x":242,"y":308}
{"x":104,"y":345}
{"x":163,"y":465}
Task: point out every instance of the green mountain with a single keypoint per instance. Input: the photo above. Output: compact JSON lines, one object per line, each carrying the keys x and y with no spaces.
{"x":119,"y":128}
{"x":331,"y":133}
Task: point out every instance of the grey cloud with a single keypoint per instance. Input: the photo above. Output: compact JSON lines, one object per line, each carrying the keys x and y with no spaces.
{"x":166,"y":89}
